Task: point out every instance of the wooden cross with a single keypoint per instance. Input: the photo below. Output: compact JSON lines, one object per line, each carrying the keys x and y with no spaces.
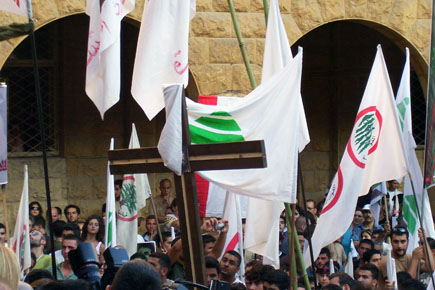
{"x":199,"y":157}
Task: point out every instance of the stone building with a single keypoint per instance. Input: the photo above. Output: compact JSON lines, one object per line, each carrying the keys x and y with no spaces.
{"x":339,"y":38}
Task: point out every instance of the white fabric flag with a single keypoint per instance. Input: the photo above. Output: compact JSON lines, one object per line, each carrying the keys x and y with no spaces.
{"x":391,"y":269}
{"x":374,"y":153}
{"x":403,"y":102}
{"x":21,"y":240}
{"x":162,"y":52}
{"x":110,"y":229}
{"x":348,"y":269}
{"x":20,"y":7}
{"x":135,"y":190}
{"x":261,"y":234}
{"x":268,"y":113}
{"x":378,"y":192}
{"x":3,"y":135}
{"x":103,"y":65}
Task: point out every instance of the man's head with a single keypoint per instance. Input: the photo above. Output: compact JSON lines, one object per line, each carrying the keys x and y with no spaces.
{"x":323,"y":258}
{"x":311,"y":206}
{"x":37,"y":240}
{"x":342,"y":279}
{"x":208,"y":241}
{"x":151,"y":223}
{"x":392,"y":185}
{"x":230,"y":263}
{"x":69,"y":243}
{"x":212,"y":269}
{"x":161,"y":263}
{"x":358,"y":217}
{"x":276,"y":280}
{"x":136,"y":275}
{"x":364,"y":246}
{"x":72,"y":213}
{"x":118,"y":188}
{"x":2,"y":233}
{"x":58,"y":228}
{"x":167,"y":240}
{"x":372,"y":257}
{"x":165,"y":187}
{"x":368,"y":275}
{"x":38,"y":223}
{"x":56,"y":214}
{"x":301,"y":239}
{"x":399,"y":241}
{"x":367,"y":214}
{"x":254,"y":278}
{"x":71,"y":229}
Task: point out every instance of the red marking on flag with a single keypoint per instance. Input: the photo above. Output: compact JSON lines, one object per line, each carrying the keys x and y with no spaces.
{"x":178,"y":66}
{"x":127,"y":219}
{"x":208,"y":100}
{"x":337,"y":194}
{"x":92,"y":53}
{"x":17,"y":2}
{"x":202,"y":193}
{"x":104,"y":24}
{"x":129,"y":177}
{"x":233,"y":243}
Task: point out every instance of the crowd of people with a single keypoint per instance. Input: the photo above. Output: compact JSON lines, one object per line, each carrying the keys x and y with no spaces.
{"x":358,"y":260}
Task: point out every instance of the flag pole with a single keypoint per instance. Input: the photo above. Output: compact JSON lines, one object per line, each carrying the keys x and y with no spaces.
{"x":242,"y":44}
{"x":5,"y":210}
{"x":44,"y":149}
{"x":289,"y":216}
{"x":266,"y":10}
{"x":157,"y":219}
{"x":387,"y":218}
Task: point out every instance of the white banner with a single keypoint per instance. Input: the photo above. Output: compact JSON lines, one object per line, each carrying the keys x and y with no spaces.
{"x":3,"y":135}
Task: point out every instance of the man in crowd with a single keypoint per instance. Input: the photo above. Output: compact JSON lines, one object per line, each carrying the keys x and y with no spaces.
{"x":364,"y":246}
{"x":321,"y":262}
{"x":212,"y":269}
{"x":276,"y":280}
{"x":161,"y":263}
{"x":72,"y":213}
{"x":64,"y":270}
{"x":342,"y":279}
{"x":56,"y":214}
{"x":151,"y":227}
{"x":230,"y":265}
{"x":136,"y":275}
{"x":118,"y":189}
{"x":162,"y":202}
{"x":368,"y":275}
{"x":2,"y":234}
{"x":37,"y":245}
{"x":311,"y":207}
{"x":372,"y":257}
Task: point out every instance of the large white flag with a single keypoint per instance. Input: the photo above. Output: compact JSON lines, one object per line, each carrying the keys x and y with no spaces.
{"x":262,"y":234}
{"x":374,"y":153}
{"x":21,"y":241}
{"x":403,"y":102}
{"x":110,"y":232}
{"x":20,"y":7}
{"x":3,"y":135}
{"x":135,"y":190}
{"x":103,"y":64}
{"x":161,"y":54}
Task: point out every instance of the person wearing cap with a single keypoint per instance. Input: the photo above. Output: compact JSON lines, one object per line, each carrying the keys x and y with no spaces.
{"x":369,"y":223}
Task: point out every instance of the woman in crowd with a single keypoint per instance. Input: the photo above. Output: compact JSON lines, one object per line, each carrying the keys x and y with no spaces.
{"x":93,"y":232}
{"x":9,"y":268}
{"x":35,"y":209}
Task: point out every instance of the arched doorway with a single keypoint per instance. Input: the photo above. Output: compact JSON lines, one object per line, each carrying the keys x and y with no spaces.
{"x":337,"y":60}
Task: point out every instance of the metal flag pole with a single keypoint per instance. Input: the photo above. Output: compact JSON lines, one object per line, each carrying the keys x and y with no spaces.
{"x":266,"y":10}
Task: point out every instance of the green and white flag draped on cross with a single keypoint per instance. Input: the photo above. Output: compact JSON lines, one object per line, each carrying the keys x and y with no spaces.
{"x":110,"y":229}
{"x":374,"y":153}
{"x":135,"y":190}
{"x":403,"y":102}
{"x":21,"y":240}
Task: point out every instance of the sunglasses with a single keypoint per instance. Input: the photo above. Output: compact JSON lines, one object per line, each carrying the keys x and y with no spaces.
{"x":34,"y":207}
{"x":399,"y":230}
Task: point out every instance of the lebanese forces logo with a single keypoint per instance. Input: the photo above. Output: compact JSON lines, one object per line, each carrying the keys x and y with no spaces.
{"x":363,"y":142}
{"x":128,"y":202}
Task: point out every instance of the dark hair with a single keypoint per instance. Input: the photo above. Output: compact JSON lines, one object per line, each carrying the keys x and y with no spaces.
{"x":138,"y":275}
{"x":412,"y":284}
{"x":35,"y":203}
{"x":38,"y":221}
{"x":164,"y":260}
{"x":72,"y":227}
{"x":118,"y":182}
{"x":37,"y":274}
{"x":2,"y":226}
{"x":207,"y":238}
{"x":372,"y":268}
{"x":430,"y":241}
{"x":174,"y":204}
{"x":163,"y":180}
{"x":331,"y":287}
{"x":58,"y":228}
{"x":402,"y":276}
{"x":213,"y":263}
{"x":237,"y":286}
{"x":100,"y":234}
{"x":311,"y":200}
{"x":368,"y":242}
{"x":68,"y":285}
{"x":369,"y":254}
{"x":165,"y":236}
{"x":71,"y":238}
{"x":138,"y":255}
{"x":325,"y":251}
{"x":257,"y":273}
{"x":235,"y":254}
{"x":278,"y":278}
{"x":71,"y":206}
{"x":103,"y":208}
{"x":343,"y":279}
{"x":150,"y":217}
{"x":399,"y":231}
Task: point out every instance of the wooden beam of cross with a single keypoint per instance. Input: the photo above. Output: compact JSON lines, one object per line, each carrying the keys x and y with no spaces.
{"x":217,"y":156}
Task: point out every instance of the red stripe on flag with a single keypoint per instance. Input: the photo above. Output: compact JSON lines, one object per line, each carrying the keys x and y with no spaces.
{"x":127,"y":219}
{"x":233,"y":243}
{"x":208,"y":100}
{"x":202,"y":192}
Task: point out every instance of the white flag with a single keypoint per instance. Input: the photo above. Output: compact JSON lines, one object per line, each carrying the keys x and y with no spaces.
{"x":110,"y":232}
{"x":103,"y":65}
{"x":161,"y":54}
{"x":21,"y":241}
{"x":20,"y":7}
{"x":3,"y":135}
{"x":374,"y":153}
{"x":135,"y":190}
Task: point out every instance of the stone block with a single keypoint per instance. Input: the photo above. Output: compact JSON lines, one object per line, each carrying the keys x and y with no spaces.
{"x":212,"y":24}
{"x":198,"y":50}
{"x":404,"y":15}
{"x":227,"y":50}
{"x":241,"y":83}
{"x":322,"y":180}
{"x":213,"y":79}
{"x":260,"y":50}
{"x":379,"y":10}
{"x":204,"y":5}
{"x":86,"y":188}
{"x":37,"y":189}
{"x":239,"y":5}
{"x":309,"y":181}
{"x":420,"y":34}
{"x":355,"y":8}
{"x":137,"y":12}
{"x":306,"y":14}
{"x":6,"y":49}
{"x":424,"y":10}
{"x":68,"y":7}
{"x":332,"y":9}
{"x":44,"y":11}
{"x":86,"y":167}
{"x":252,"y":25}
{"x":292,"y":29}
{"x":76,"y":146}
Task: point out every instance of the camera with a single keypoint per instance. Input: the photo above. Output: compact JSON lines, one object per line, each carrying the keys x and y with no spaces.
{"x":85,"y":264}
{"x":114,"y":258}
{"x":219,"y":226}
